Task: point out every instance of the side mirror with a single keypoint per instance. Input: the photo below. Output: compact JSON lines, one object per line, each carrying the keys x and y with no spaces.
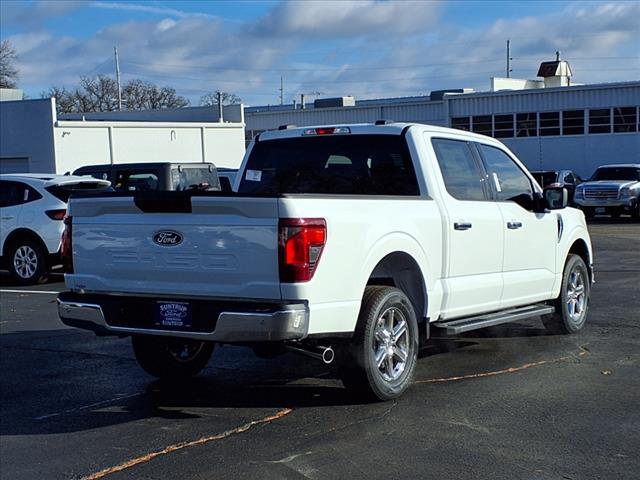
{"x":556,"y":198}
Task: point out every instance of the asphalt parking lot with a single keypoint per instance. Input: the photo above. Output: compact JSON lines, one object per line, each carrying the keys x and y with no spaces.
{"x":510,"y":402}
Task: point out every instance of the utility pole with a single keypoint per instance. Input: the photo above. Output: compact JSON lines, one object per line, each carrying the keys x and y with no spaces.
{"x":509,"y":58}
{"x":115,"y":50}
{"x":281,"y":91}
{"x":219,"y":95}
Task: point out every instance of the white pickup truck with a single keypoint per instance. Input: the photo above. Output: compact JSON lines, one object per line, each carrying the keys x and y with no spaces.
{"x":353,"y":239}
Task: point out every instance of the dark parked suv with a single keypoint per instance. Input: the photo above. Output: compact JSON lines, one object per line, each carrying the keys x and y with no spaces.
{"x":156,"y":176}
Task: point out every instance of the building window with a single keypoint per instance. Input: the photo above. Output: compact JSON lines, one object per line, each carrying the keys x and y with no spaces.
{"x":526,"y":125}
{"x":625,"y":119}
{"x":573,"y":122}
{"x":549,"y":123}
{"x":600,"y":120}
{"x":482,"y":124}
{"x":503,"y":126}
{"x":461,"y":123}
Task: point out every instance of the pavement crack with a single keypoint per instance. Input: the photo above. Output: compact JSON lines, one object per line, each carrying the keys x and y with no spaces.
{"x":187,"y":444}
{"x":496,"y":372}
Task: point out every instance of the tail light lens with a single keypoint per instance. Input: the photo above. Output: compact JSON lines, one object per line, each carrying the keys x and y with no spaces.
{"x":300,"y":245}
{"x":65,"y":247}
{"x":56,"y":214}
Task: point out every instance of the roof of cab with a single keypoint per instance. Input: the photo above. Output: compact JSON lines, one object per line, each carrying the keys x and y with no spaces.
{"x":391,"y":128}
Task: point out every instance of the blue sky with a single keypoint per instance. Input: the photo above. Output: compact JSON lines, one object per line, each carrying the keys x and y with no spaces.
{"x":368,"y":49}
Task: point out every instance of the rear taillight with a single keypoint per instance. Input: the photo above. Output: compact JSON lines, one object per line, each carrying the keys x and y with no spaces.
{"x":300,"y":245}
{"x":65,"y":247}
{"x":56,"y":214}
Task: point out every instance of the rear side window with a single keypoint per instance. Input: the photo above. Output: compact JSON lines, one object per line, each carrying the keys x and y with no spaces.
{"x":63,"y":192}
{"x":194,"y":178}
{"x":331,"y":164}
{"x":16,"y":193}
{"x":460,"y":171}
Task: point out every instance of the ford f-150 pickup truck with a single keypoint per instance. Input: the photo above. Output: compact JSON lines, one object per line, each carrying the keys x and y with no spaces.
{"x":353,"y":240}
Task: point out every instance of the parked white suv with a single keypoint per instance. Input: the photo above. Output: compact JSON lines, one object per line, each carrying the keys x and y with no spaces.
{"x":352,"y":238}
{"x":32,"y":208}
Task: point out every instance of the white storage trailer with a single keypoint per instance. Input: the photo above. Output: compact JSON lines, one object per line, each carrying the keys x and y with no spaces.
{"x":33,"y":140}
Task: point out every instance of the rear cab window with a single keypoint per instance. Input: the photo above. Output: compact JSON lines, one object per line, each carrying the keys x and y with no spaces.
{"x":194,"y":178}
{"x":331,"y":164}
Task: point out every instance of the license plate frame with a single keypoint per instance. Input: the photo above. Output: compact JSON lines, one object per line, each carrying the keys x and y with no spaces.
{"x":173,"y":314}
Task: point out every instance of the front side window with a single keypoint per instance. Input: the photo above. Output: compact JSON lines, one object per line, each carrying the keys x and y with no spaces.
{"x":509,"y":181}
{"x":460,"y":171}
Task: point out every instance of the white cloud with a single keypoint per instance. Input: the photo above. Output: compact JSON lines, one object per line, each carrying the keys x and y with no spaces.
{"x":338,"y":48}
{"x":326,"y":19}
{"x":146,"y":8}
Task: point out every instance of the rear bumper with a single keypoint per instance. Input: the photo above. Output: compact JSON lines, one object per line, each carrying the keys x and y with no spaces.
{"x":241,"y":324}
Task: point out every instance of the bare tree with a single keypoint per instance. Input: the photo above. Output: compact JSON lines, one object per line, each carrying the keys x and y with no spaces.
{"x":211,"y":99}
{"x":66,"y":101}
{"x":100,"y":94}
{"x":140,"y":95}
{"x":8,"y":71}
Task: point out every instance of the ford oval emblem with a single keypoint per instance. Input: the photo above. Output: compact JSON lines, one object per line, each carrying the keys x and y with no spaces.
{"x":167,"y":238}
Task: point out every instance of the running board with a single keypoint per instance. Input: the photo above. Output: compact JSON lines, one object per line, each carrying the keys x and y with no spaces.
{"x":467,"y":324}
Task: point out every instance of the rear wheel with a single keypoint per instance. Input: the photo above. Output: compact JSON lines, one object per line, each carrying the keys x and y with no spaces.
{"x":573,"y":304}
{"x":171,"y":358}
{"x":27,"y":262}
{"x":381,"y":359}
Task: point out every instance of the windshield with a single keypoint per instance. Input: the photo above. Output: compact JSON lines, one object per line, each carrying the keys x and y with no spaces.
{"x":331,"y":164}
{"x":617,"y":173}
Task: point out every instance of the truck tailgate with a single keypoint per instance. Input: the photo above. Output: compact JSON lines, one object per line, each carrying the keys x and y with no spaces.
{"x":211,"y":246}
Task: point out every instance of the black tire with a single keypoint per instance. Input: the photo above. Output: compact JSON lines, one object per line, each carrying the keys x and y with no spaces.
{"x":27,"y":261}
{"x":571,"y":306}
{"x":382,"y":312}
{"x":171,"y":358}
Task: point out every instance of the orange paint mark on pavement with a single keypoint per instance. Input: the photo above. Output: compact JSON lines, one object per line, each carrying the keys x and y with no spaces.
{"x":179,"y":446}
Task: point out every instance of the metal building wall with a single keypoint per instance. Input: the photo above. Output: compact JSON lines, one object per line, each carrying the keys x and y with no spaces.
{"x":545,"y":99}
{"x":422,"y":112}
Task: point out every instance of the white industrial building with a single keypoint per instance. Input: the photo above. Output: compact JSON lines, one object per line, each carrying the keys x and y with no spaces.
{"x":33,"y":139}
{"x":549,"y":123}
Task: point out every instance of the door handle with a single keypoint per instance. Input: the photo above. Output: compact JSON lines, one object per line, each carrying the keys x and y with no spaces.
{"x":514,"y":225}
{"x":6,"y":218}
{"x":462,"y":225}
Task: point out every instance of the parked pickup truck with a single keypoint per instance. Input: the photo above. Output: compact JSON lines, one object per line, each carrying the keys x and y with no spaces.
{"x":612,"y":189}
{"x":351,"y":241}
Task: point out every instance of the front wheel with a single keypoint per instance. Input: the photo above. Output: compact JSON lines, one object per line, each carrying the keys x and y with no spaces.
{"x":573,"y":303}
{"x":171,"y":358}
{"x":381,"y":359}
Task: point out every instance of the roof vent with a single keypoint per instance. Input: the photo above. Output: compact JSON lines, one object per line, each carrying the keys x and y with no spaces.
{"x":556,"y":74}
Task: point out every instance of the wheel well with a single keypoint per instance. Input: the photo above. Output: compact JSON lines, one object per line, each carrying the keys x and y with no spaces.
{"x":580,"y":248}
{"x":23,"y":233}
{"x":400,"y":270}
